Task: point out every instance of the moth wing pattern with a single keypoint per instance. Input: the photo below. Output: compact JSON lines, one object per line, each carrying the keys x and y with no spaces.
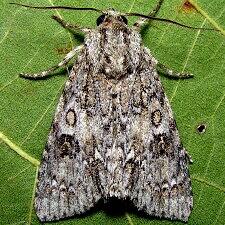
{"x":113,"y":134}
{"x":65,"y":184}
{"x":162,"y":184}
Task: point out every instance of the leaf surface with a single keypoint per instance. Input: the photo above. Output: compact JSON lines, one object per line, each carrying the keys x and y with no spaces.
{"x":31,"y":41}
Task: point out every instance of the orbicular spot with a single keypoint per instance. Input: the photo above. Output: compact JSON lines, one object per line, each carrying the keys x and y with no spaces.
{"x":156,"y":118}
{"x":71,"y":117}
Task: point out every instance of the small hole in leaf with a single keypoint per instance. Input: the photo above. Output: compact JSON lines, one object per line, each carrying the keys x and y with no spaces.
{"x":201,"y":128}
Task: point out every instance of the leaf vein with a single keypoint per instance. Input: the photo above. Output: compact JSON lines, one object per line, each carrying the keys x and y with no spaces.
{"x":18,"y":150}
{"x":208,"y":183}
{"x":32,"y":199}
{"x":204,"y":14}
{"x":129,"y":219}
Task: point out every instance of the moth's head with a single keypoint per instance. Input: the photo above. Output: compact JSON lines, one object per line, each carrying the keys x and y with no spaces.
{"x":111,"y":18}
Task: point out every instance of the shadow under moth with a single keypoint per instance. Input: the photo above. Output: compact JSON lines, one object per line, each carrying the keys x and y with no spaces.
{"x":113,"y":134}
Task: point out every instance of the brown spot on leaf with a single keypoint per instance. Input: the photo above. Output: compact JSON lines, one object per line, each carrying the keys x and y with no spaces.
{"x":63,"y":50}
{"x":188,"y":7}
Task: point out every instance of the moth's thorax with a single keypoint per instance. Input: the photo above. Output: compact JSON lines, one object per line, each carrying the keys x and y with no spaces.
{"x":114,"y":50}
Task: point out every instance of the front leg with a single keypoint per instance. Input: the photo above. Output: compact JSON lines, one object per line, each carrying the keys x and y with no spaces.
{"x":170,"y":73}
{"x":47,"y":72}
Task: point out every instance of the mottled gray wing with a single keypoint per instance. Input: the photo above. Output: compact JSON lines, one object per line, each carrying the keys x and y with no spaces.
{"x":162,"y":185}
{"x":66,"y":184}
{"x":114,"y":135}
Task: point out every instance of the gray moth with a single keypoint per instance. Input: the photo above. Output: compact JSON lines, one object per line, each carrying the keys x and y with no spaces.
{"x":113,"y":134}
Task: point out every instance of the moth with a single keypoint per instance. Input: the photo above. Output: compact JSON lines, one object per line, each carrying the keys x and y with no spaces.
{"x":113,"y":132}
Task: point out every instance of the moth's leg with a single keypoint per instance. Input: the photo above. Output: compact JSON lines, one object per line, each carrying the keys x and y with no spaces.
{"x":45,"y":73}
{"x":143,"y":21}
{"x":170,"y":73}
{"x":70,"y":27}
{"x":188,"y":157}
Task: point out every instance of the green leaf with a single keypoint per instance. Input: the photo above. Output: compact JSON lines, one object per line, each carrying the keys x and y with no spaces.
{"x":31,"y":41}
